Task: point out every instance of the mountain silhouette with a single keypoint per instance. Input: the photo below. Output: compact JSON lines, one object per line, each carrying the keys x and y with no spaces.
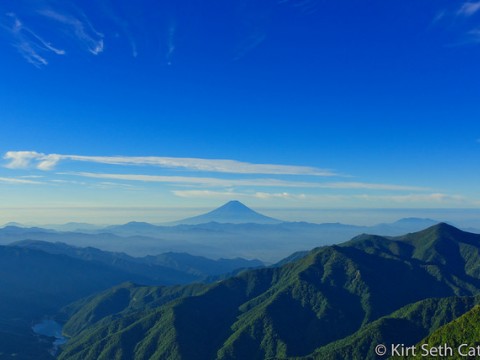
{"x":233,"y":212}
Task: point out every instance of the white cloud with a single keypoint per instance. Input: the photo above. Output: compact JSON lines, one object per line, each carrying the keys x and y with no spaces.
{"x":46,"y":45}
{"x":109,"y":10}
{"x":234,"y":194}
{"x":209,"y":165}
{"x":416,"y":198}
{"x":30,"y":54}
{"x":473,"y":36}
{"x":17,"y":181}
{"x":30,"y":45}
{"x":371,"y":186}
{"x":61,"y":181}
{"x":25,"y":159}
{"x":208,"y":194}
{"x":48,"y":162}
{"x":81,"y":29}
{"x":108,"y":185}
{"x":36,"y":48}
{"x":193,"y":180}
{"x":439,"y":16}
{"x":282,"y":195}
{"x":45,"y":162}
{"x":469,"y":8}
{"x":457,"y":19}
{"x":216,"y":182}
{"x":20,"y":159}
{"x":335,"y":199}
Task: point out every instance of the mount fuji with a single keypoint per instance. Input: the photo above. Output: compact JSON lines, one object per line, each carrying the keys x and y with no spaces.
{"x":233,"y":212}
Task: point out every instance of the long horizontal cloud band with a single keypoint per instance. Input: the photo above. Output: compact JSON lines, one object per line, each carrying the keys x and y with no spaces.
{"x":26,"y":159}
{"x":408,"y":198}
{"x":215,"y":182}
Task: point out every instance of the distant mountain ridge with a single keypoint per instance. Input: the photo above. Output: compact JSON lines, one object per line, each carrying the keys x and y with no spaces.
{"x":166,"y":269}
{"x":267,"y":242}
{"x":233,"y":212}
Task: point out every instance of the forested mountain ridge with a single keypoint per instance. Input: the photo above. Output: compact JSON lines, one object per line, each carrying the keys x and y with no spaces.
{"x":299,"y":308}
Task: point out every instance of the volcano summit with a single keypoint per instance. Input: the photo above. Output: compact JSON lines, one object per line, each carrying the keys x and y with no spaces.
{"x":233,"y":212}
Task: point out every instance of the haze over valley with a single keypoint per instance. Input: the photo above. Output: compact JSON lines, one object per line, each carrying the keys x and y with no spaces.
{"x":229,"y":231}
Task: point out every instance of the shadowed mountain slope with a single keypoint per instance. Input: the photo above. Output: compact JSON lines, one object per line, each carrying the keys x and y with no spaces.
{"x":163,"y":269}
{"x":38,"y":278}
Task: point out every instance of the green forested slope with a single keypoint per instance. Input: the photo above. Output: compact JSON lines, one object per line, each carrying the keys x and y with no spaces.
{"x":405,"y":326}
{"x":460,"y":336}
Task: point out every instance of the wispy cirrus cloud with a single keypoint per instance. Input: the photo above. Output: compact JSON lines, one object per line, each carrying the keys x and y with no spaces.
{"x":34,"y":30}
{"x":469,"y":8}
{"x":208,"y":194}
{"x":194,"y":180}
{"x":79,"y":27}
{"x":372,"y":186}
{"x":461,"y":19}
{"x":110,"y":12}
{"x":416,"y":198}
{"x":26,"y":159}
{"x":10,"y":180}
{"x":31,"y":46}
{"x":473,"y":36}
{"x":108,"y":185}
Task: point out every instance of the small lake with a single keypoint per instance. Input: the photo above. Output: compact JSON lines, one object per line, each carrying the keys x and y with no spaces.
{"x":51,"y":328}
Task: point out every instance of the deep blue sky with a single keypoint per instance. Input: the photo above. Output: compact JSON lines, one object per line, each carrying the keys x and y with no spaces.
{"x":385,"y":95}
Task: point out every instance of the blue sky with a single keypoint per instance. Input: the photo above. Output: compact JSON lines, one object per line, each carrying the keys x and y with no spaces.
{"x":280,"y":104}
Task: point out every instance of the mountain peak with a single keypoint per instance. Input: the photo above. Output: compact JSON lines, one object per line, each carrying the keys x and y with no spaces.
{"x":233,"y":212}
{"x":443,"y":228}
{"x":234,"y":203}
{"x":234,"y":207}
